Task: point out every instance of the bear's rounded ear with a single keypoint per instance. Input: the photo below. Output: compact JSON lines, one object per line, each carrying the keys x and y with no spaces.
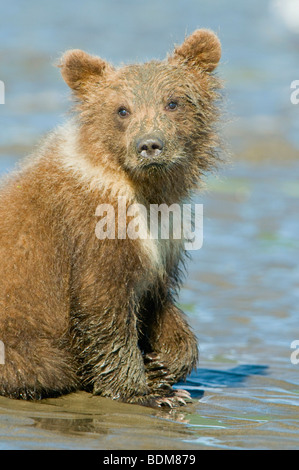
{"x":201,"y":50}
{"x":77,"y":67}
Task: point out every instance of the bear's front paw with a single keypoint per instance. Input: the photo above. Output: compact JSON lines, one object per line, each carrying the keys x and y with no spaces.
{"x":170,"y":399}
{"x":178,"y":398}
{"x":158,"y":377}
{"x":160,"y":381}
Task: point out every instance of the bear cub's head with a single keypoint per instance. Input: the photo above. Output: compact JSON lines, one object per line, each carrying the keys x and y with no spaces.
{"x":153,"y":120}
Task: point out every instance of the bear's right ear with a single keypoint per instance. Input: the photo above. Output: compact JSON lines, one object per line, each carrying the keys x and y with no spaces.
{"x":78,"y":67}
{"x":201,"y":50}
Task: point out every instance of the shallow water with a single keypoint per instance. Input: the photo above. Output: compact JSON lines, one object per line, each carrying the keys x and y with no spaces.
{"x":242,"y":288}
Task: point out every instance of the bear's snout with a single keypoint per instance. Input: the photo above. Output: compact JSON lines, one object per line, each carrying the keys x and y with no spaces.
{"x":149,"y":146}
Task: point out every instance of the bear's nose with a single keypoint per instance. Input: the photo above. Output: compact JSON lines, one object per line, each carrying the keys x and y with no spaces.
{"x":150,"y":147}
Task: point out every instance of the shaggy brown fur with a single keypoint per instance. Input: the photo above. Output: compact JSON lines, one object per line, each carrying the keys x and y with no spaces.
{"x":79,"y":312}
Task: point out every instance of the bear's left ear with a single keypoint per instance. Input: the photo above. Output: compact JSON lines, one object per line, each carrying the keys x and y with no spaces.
{"x":78,"y":67}
{"x":201,"y":50}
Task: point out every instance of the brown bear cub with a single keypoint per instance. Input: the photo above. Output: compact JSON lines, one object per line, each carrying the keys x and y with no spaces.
{"x":81,"y":312}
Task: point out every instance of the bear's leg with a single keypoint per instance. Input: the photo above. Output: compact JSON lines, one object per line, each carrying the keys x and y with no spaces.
{"x":112,"y":364}
{"x":173,"y":346}
{"x":106,"y":345}
{"x":35,"y":368}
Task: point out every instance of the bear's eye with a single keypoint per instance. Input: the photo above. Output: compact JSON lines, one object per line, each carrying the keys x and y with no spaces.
{"x":172,"y":105}
{"x":123,"y":112}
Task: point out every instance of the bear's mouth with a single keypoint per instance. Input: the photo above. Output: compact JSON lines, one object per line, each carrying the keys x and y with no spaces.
{"x":153,"y":165}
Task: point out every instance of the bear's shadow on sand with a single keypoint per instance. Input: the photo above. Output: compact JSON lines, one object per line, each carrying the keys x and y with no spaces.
{"x":199,"y":380}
